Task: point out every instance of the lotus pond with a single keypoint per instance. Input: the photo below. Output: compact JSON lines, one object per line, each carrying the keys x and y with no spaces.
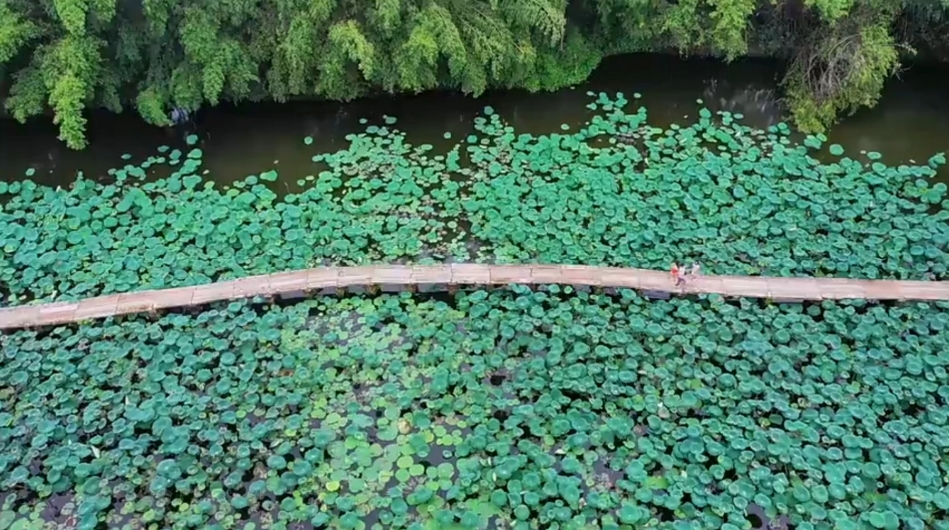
{"x":512,"y":408}
{"x":617,"y":191}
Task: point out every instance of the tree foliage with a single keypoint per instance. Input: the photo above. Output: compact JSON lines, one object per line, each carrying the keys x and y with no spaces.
{"x":842,"y":68}
{"x":63,"y":57}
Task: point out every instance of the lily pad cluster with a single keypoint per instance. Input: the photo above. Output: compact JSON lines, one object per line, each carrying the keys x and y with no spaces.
{"x":512,"y":408}
{"x":176,"y":230}
{"x":618,"y":191}
{"x":737,"y":199}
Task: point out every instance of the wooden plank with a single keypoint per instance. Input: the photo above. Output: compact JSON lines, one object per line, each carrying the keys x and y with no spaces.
{"x":56,"y":313}
{"x":470,"y":274}
{"x":541,"y":274}
{"x":175,"y":297}
{"x":57,"y":308}
{"x":251,"y":286}
{"x":98,"y":307}
{"x":623,"y":278}
{"x":431,"y":274}
{"x":941,"y":289}
{"x":19,"y":317}
{"x":581,"y":275}
{"x":793,"y":288}
{"x":258,"y":285}
{"x":56,"y":319}
{"x":745,"y":286}
{"x":655,"y":280}
{"x":506,"y":274}
{"x":881,"y":289}
{"x":702,"y":284}
{"x":135,"y":302}
{"x":929,"y":291}
{"x":391,"y":275}
{"x":283,"y":282}
{"x":212,"y":292}
{"x":840,"y":289}
{"x":354,"y":276}
{"x":322,"y":277}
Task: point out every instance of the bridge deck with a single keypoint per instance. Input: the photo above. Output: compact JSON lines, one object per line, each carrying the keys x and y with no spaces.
{"x":466,"y":274}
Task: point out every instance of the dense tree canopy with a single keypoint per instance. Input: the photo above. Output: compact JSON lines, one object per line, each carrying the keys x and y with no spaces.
{"x":64,"y":56}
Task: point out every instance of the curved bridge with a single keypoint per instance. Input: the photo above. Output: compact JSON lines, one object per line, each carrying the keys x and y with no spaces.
{"x":321,"y":278}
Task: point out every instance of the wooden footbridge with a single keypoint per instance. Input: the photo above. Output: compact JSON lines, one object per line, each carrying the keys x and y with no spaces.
{"x":331,"y":279}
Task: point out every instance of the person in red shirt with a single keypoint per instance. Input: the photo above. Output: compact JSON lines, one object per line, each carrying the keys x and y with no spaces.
{"x":677,"y":277}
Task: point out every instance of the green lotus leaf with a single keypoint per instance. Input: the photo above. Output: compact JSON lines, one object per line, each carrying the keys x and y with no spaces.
{"x":525,"y":405}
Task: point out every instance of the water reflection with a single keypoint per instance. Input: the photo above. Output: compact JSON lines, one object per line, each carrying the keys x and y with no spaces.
{"x":911,"y":122}
{"x":758,"y":102}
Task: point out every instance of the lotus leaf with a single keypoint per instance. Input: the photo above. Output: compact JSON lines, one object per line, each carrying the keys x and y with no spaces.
{"x":762,"y":432}
{"x":517,"y":407}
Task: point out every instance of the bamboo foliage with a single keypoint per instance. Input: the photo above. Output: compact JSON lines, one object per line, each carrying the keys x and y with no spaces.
{"x":67,"y":56}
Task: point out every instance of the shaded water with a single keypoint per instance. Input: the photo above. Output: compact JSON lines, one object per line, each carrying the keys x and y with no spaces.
{"x":910,"y":123}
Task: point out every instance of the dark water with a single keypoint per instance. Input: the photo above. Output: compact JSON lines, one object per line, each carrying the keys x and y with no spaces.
{"x":910,"y":123}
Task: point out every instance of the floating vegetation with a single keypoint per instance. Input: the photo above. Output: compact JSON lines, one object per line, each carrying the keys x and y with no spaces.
{"x":512,"y":408}
{"x":736,"y":199}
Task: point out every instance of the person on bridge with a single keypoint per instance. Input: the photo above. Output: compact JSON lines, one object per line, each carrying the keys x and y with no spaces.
{"x":696,"y":270}
{"x":677,"y":274}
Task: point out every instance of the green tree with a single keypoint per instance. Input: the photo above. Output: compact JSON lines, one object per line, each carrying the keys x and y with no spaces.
{"x":843,"y":63}
{"x":64,"y":56}
{"x":66,"y":68}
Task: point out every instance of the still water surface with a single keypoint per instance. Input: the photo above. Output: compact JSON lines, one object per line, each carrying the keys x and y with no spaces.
{"x":910,"y":123}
